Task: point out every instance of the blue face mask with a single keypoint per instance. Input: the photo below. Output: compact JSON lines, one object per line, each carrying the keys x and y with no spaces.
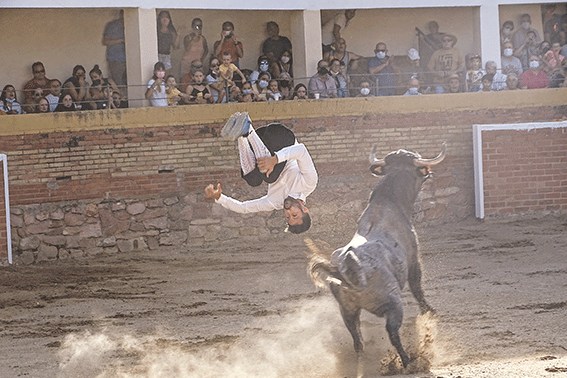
{"x":263,"y":84}
{"x":246,"y":91}
{"x":264,"y":67}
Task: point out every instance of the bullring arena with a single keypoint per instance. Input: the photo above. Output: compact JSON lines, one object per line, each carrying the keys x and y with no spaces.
{"x":161,"y":283}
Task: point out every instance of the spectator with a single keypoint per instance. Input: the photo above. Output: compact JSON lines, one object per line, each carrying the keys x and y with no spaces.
{"x":299,"y":92}
{"x":275,"y":45}
{"x":534,"y":77}
{"x":322,"y":85}
{"x":38,"y":81}
{"x":213,"y":79}
{"x":382,"y":68}
{"x":506,"y":32}
{"x":96,"y":74}
{"x":529,"y":47}
{"x":173,"y":94}
{"x":247,"y":94}
{"x":510,"y":64}
{"x":453,"y":84}
{"x":156,"y":86}
{"x":196,"y":47}
{"x":340,"y":80}
{"x":198,"y":91}
{"x":37,"y":95}
{"x":167,"y":38}
{"x":274,"y":93}
{"x":435,"y":37}
{"x":553,"y":28}
{"x":227,"y":71}
{"x":66,"y":103}
{"x":365,"y":89}
{"x":512,"y":81}
{"x":188,"y":77}
{"x":99,"y":95}
{"x":261,"y":86}
{"x":229,"y":43}
{"x":498,"y":78}
{"x":474,"y":74}
{"x":446,"y":62}
{"x":413,"y":87}
{"x":332,"y":29}
{"x":282,"y":71}
{"x":410,"y":68}
{"x":521,"y":34}
{"x":43,"y":106}
{"x":117,"y":102}
{"x":53,"y":96}
{"x":234,"y":94}
{"x":9,"y":102}
{"x":78,"y":87}
{"x":262,"y":66}
{"x":486,"y":83}
{"x":552,"y":59}
{"x":340,"y":52}
{"x":113,"y":39}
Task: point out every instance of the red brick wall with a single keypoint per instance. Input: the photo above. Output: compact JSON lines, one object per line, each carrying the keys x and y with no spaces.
{"x":524,"y":171}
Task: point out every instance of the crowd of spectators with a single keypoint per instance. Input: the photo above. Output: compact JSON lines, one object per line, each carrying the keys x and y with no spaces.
{"x":215,"y":76}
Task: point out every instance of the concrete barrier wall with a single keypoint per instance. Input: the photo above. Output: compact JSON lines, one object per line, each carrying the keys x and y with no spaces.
{"x":115,"y":181}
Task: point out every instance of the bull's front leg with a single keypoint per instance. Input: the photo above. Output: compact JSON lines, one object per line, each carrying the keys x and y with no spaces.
{"x":414,"y":280}
{"x":394,"y":319}
{"x":352,"y":321}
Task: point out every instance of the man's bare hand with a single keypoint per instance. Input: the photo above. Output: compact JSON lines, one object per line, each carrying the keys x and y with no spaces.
{"x":213,"y":192}
{"x":267,"y":164}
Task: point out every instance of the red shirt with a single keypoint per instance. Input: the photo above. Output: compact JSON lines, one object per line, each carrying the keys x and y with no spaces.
{"x":31,"y":86}
{"x":534,"y":79}
{"x":230,"y":46}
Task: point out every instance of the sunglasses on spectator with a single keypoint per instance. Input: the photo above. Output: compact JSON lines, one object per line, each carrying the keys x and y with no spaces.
{"x":215,"y":64}
{"x":41,"y":71}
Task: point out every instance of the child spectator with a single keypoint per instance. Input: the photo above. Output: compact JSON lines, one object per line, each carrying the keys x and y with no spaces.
{"x":454,"y":84}
{"x":9,"y":102}
{"x":43,"y":106}
{"x":274,"y":93}
{"x":117,"y":102}
{"x":156,"y":86}
{"x":413,"y":88}
{"x":512,"y":82}
{"x":173,"y":94}
{"x":198,"y":91}
{"x":247,"y":94}
{"x":227,"y":70}
{"x":53,"y":97}
{"x":300,"y":92}
{"x":365,"y":89}
{"x":474,"y":74}
{"x":66,"y":103}
{"x":486,"y":85}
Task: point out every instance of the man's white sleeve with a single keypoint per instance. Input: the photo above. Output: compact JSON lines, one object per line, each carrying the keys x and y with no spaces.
{"x":299,"y":153}
{"x":252,"y":206}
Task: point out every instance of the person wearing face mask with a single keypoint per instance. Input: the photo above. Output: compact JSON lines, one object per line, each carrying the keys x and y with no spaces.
{"x":156,"y":86}
{"x":262,"y":66}
{"x":522,"y":33}
{"x":283,"y":72}
{"x":322,"y":85}
{"x":365,"y":89}
{"x":498,"y":78}
{"x":506,"y":32}
{"x":229,"y":43}
{"x":275,"y":45}
{"x":534,"y":77}
{"x":527,"y":49}
{"x":510,"y":64}
{"x":413,"y":88}
{"x":261,"y":86}
{"x":382,"y":68}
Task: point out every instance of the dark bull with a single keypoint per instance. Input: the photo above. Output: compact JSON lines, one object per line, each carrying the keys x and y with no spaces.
{"x":371,"y":271}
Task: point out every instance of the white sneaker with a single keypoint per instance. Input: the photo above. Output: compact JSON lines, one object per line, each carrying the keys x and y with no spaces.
{"x":229,"y":125}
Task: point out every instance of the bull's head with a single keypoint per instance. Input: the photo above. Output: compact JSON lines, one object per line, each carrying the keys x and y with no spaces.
{"x":379,"y":166}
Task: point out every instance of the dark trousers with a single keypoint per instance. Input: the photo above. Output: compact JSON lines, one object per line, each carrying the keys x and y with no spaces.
{"x":275,"y":137}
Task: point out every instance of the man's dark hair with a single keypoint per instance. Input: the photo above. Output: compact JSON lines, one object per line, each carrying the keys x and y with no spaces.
{"x":299,"y":228}
{"x":37,"y":64}
{"x":227,"y":24}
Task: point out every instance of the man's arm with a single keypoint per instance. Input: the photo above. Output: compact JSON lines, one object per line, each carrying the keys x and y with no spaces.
{"x":252,"y":206}
{"x":299,"y":153}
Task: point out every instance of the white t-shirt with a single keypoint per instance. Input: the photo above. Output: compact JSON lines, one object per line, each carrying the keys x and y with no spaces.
{"x":327,"y":29}
{"x":158,"y":98}
{"x":53,"y":101}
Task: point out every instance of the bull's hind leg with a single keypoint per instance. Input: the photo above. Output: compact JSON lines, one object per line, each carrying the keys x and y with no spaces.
{"x":351,"y":318}
{"x":394,"y":317}
{"x":414,"y":280}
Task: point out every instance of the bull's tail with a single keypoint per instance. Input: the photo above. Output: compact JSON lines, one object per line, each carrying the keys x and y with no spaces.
{"x":348,"y":274}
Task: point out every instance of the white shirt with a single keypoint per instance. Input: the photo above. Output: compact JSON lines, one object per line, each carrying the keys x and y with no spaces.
{"x":158,"y":98}
{"x":297,"y":180}
{"x":327,"y":35}
{"x":53,"y":101}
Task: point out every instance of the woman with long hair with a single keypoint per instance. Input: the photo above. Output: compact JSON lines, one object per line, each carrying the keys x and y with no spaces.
{"x":168,"y":39}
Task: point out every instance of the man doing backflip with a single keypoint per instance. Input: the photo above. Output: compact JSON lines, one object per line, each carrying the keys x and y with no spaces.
{"x":270,"y":154}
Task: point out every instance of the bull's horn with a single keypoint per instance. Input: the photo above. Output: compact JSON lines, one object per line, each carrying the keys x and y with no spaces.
{"x":429,"y":162}
{"x":373,"y":159}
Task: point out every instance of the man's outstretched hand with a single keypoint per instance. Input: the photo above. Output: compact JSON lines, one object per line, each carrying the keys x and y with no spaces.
{"x":267,"y":164}
{"x":213,"y":192}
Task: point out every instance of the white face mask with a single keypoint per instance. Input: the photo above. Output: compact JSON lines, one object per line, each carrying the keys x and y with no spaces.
{"x":507,"y":31}
{"x":380,"y":55}
{"x":534,"y":64}
{"x":508,"y":52}
{"x":285,"y":59}
{"x":526,"y":25}
{"x":365,"y":91}
{"x":413,"y":90}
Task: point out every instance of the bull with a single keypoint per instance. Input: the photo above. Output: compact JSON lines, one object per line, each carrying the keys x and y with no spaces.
{"x":371,"y":271}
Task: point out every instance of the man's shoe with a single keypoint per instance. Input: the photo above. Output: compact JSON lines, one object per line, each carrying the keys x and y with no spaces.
{"x":229,"y":125}
{"x":241,"y":126}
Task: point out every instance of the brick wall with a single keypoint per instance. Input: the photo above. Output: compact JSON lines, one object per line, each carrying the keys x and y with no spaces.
{"x":100,"y":189}
{"x":524,"y":171}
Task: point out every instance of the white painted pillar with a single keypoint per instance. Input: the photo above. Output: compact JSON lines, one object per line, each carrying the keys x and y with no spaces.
{"x":489,"y":22}
{"x":306,"y":41}
{"x":141,"y":52}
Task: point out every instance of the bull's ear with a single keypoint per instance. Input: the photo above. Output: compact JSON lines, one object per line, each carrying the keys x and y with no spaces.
{"x":424,"y":171}
{"x":377,"y":170}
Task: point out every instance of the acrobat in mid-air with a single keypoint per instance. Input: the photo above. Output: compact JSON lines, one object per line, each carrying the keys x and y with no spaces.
{"x":271,"y":154}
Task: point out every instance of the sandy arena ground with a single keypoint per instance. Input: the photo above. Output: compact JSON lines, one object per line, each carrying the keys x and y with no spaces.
{"x":246,"y":311}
